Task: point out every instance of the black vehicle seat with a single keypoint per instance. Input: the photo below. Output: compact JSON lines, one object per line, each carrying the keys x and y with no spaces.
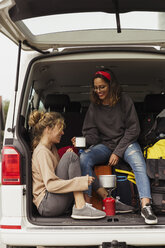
{"x":74,"y":121}
{"x":57,"y":102}
{"x":74,"y":107}
{"x":139,"y":106}
{"x":72,"y":115}
{"x":153,"y":105}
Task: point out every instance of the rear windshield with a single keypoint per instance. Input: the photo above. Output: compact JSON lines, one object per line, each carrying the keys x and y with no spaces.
{"x":95,"y":20}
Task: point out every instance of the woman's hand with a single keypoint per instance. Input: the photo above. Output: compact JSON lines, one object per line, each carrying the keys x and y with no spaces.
{"x":69,"y":150}
{"x":114,"y":159}
{"x":90,"y":180}
{"x":73,"y":141}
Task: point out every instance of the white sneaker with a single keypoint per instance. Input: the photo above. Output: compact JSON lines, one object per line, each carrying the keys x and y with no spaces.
{"x":148,"y":215}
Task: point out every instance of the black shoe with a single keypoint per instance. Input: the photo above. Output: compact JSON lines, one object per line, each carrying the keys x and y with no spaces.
{"x":148,"y":215}
{"x":123,"y":208}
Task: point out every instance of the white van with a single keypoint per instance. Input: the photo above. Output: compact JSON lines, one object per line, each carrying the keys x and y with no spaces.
{"x":64,"y":42}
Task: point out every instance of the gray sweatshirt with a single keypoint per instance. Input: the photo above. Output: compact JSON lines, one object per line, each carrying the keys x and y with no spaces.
{"x":116,"y":127}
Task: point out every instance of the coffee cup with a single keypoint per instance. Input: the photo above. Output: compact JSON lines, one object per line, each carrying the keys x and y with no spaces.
{"x":80,"y":142}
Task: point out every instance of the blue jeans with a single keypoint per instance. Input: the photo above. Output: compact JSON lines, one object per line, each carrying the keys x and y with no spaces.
{"x":100,"y":154}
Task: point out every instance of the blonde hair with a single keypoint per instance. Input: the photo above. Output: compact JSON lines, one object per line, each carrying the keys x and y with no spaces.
{"x":40,"y":120}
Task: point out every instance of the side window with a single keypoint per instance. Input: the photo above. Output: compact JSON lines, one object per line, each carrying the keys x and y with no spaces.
{"x":41,"y":106}
{"x":33,"y":103}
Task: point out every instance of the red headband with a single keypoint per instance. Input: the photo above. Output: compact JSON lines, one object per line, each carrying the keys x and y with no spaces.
{"x":105,"y":74}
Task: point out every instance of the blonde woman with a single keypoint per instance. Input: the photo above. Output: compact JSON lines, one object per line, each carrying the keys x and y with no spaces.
{"x":57,"y":183}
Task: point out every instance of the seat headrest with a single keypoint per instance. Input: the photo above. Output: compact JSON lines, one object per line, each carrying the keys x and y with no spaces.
{"x":154,"y":103}
{"x":57,"y":102}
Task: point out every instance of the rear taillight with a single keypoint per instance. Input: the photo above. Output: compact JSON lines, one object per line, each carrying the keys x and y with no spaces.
{"x":10,"y":166}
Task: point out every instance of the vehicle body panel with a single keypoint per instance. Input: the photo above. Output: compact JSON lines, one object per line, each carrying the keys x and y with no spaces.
{"x":86,"y":50}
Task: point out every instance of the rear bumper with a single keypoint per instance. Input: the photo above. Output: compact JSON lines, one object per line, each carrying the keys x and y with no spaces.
{"x":76,"y":236}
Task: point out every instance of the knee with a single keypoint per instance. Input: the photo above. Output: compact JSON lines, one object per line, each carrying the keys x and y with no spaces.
{"x":70,"y":156}
{"x":138,"y":166}
{"x":84,"y":157}
{"x":86,"y":160}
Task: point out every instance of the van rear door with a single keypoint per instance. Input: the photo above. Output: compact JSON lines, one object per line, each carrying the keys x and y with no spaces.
{"x":53,"y":23}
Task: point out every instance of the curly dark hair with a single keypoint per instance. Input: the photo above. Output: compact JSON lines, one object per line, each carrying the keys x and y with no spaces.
{"x":114,"y":87}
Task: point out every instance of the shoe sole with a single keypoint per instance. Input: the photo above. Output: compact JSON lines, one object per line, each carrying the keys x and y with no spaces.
{"x":86,"y":217}
{"x":123,"y":211}
{"x":149,"y":221}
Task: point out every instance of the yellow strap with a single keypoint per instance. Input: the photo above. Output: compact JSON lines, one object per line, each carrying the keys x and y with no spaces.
{"x":125,"y":172}
{"x":130,"y":177}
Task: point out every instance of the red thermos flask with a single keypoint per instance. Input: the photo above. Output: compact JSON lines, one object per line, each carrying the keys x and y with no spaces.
{"x":109,"y":206}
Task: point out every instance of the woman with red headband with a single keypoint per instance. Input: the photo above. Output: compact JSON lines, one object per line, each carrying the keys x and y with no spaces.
{"x":111,"y":128}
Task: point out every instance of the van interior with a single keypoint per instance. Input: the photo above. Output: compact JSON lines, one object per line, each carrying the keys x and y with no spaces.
{"x":62,"y":82}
